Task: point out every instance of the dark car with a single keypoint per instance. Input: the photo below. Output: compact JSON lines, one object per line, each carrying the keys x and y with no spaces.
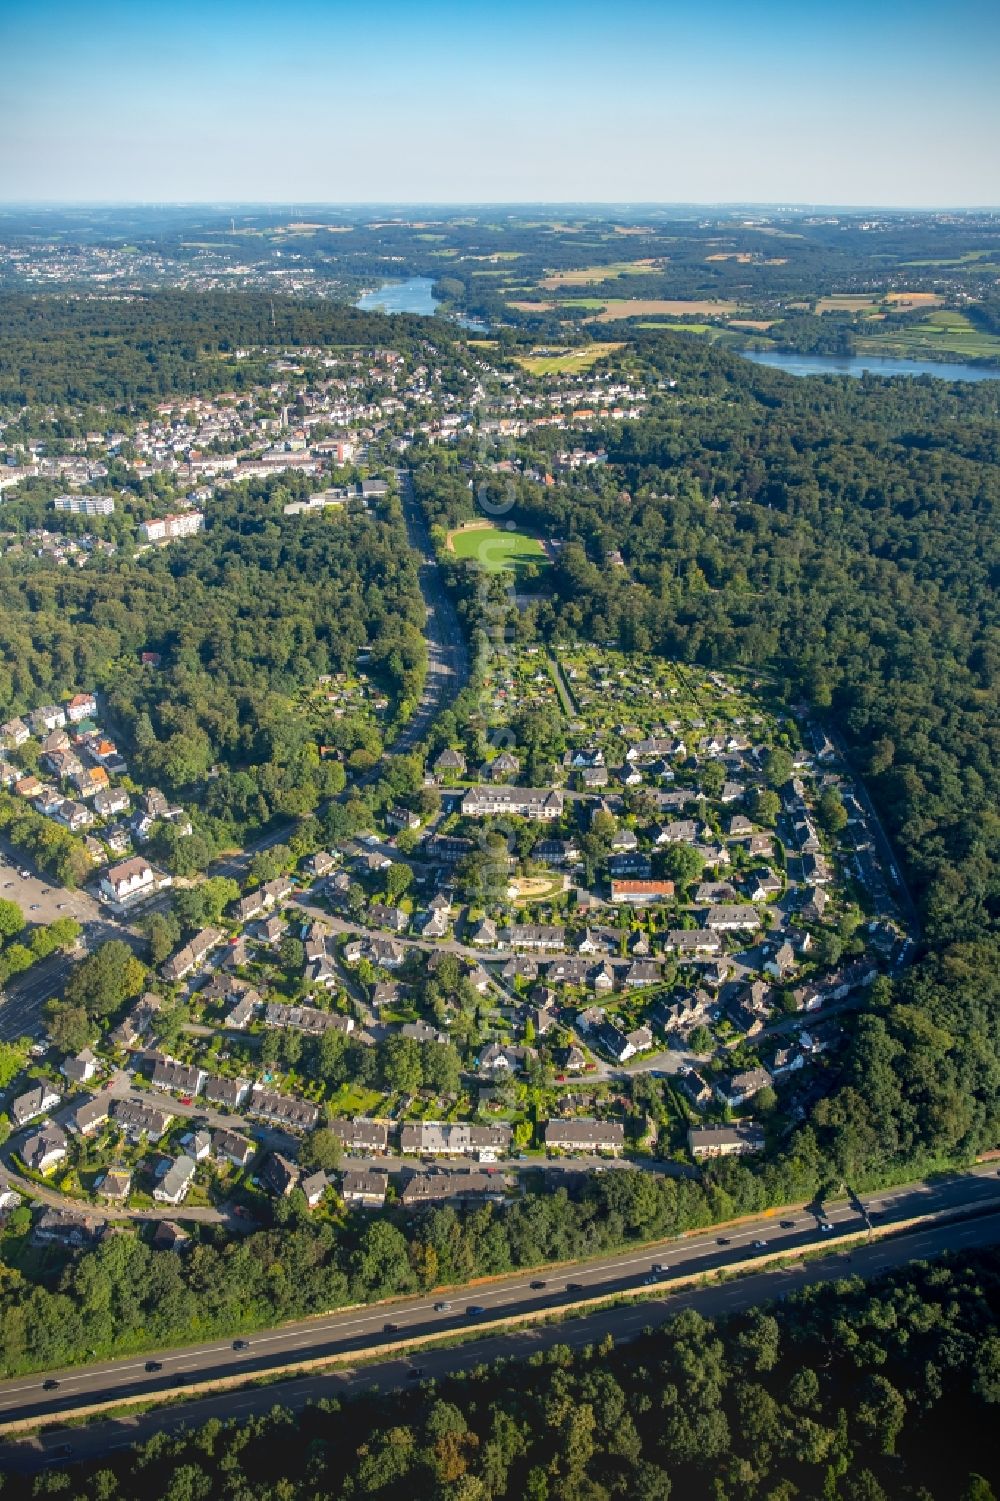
{"x":787,"y":1224}
{"x":574,"y":1287}
{"x":241,"y":1344}
{"x":722,"y":1240}
{"x":474,"y":1308}
{"x":390,"y":1328}
{"x":60,"y":1451}
{"x":657,"y":1267}
{"x":416,"y":1373}
{"x":154,"y":1365}
{"x":51,"y":1385}
{"x":537,"y":1285}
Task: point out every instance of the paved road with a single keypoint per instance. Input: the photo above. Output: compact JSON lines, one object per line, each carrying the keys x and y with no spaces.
{"x":623,"y":1323}
{"x":339,"y":1333}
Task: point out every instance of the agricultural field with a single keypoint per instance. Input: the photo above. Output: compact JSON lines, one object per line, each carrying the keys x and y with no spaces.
{"x":495,"y":548}
{"x":583,"y":276}
{"x":564,"y":361}
{"x":941,"y":333}
{"x":613,"y":309}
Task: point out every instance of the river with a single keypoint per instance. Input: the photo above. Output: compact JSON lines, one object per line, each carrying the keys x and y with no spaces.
{"x":413,"y":296}
{"x":834,"y":364}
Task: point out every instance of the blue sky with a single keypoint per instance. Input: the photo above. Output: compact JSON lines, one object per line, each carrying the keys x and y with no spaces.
{"x":323,"y":101}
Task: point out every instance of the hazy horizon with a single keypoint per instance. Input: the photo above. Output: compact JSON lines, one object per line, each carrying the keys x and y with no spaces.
{"x":324,"y":102}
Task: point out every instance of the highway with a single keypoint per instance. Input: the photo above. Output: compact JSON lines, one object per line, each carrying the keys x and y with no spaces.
{"x":447,"y":1312}
{"x":102,"y":1437}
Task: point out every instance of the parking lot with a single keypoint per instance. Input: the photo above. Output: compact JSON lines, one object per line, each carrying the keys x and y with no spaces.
{"x":38,"y":898}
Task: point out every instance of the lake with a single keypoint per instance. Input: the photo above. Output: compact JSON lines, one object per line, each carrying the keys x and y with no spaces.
{"x":833,"y":364}
{"x":412,"y":296}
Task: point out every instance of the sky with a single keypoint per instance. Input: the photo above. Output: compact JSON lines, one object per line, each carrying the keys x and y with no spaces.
{"x":868,"y":102}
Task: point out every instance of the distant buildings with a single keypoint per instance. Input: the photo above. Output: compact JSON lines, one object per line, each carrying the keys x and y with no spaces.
{"x":167,"y":528}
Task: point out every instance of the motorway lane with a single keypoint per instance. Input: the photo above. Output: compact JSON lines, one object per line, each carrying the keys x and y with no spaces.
{"x":623,"y":1322}
{"x":361,"y":1327}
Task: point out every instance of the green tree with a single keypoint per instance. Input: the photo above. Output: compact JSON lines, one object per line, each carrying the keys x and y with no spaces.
{"x":11,"y":919}
{"x":104,"y":980}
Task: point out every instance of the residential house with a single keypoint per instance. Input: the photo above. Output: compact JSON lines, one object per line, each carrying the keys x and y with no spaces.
{"x":182,"y":1078}
{"x":696,"y":1088}
{"x":306,"y":1018}
{"x":362,"y":1134}
{"x":365,"y":1189}
{"x":192,"y":954}
{"x":176,"y":1181}
{"x":229,"y":1146}
{"x":45,"y":1149}
{"x":81,"y":1068}
{"x":281,"y":1109}
{"x":690,"y":942}
{"x":228,"y":1092}
{"x":724,"y":1141}
{"x":81,"y":706}
{"x":781,"y":963}
{"x":732,"y":919}
{"x":450,"y":763}
{"x":636,"y":893}
{"x":90,"y":1116}
{"x":116,"y":1185}
{"x":67,"y":1227}
{"x":539,"y":936}
{"x":437,"y":1186}
{"x":735,"y":1090}
{"x":585,"y":1136}
{"x":314,"y":1187}
{"x":38,"y":1100}
{"x":444,"y":1138}
{"x":130,"y":881}
{"x":137,"y":1119}
{"x":110,"y":801}
{"x":279,"y":1176}
{"x":544,"y":803}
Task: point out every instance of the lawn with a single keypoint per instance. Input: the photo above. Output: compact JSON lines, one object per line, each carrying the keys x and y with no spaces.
{"x":943,"y":334}
{"x":558,"y":362}
{"x":496,"y":549}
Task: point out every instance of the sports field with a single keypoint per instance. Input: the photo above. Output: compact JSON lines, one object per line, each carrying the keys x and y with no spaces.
{"x":495,"y":548}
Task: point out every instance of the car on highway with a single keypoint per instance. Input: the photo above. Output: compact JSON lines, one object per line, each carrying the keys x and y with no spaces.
{"x":574,"y":1287}
{"x":50,"y":1385}
{"x":241,"y":1344}
{"x":537,"y":1285}
{"x":825,"y":1226}
{"x":416,"y":1372}
{"x":390,"y":1328}
{"x":657,"y":1267}
{"x":154,"y":1365}
{"x":787,"y":1224}
{"x":759,"y":1245}
{"x":61,"y":1451}
{"x":442,"y":1307}
{"x":475,"y":1308}
{"x":722,"y":1240}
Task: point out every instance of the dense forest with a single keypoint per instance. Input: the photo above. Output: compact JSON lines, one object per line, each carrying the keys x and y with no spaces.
{"x":129,"y":353}
{"x":240,"y":616}
{"x":850,"y":1391}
